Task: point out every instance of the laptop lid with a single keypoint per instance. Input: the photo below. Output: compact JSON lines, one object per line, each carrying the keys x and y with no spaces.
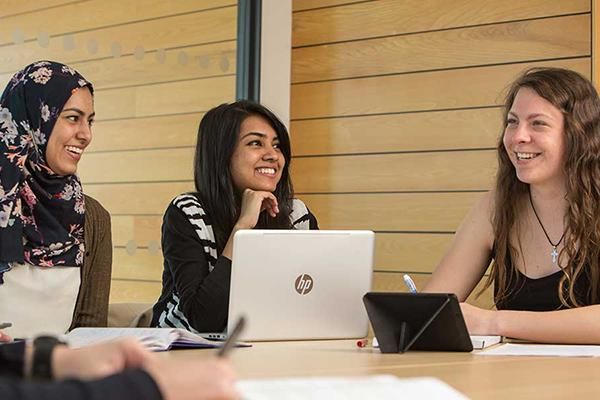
{"x":301,"y":284}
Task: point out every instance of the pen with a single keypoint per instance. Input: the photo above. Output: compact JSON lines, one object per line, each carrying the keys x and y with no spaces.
{"x":362,"y":343}
{"x":5,"y":325}
{"x":232,"y":337}
{"x":410,"y":284}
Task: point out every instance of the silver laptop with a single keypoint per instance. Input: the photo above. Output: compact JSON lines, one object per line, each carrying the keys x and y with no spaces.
{"x":293,"y":284}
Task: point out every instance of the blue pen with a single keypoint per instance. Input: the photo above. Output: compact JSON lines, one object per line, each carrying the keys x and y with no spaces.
{"x":410,"y":284}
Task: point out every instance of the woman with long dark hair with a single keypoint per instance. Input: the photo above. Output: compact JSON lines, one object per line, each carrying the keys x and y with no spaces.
{"x":540,"y":225}
{"x":241,"y":172}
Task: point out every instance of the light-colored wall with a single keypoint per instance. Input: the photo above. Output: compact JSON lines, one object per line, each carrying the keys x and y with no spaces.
{"x":275,"y":57}
{"x":157,"y":66}
{"x":395,"y":111}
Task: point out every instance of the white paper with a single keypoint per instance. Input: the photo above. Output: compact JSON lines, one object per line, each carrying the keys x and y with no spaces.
{"x":380,"y":387}
{"x":554,"y":350}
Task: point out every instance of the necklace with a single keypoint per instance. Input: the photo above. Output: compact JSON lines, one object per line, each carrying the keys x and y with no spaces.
{"x":554,"y":253}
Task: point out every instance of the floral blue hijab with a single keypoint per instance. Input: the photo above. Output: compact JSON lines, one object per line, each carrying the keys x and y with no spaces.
{"x":42,"y":214}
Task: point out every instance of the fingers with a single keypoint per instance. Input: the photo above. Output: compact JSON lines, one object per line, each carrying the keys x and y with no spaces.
{"x":269,"y":204}
{"x":4,"y":338}
{"x":135,"y":354}
{"x":253,"y":203}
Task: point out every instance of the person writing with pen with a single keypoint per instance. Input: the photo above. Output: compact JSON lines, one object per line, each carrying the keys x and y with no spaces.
{"x":123,"y":369}
{"x":540,"y":224}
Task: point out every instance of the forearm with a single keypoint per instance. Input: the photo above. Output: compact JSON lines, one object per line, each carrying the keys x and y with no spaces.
{"x":132,"y":384}
{"x":573,"y":326}
{"x":206,"y":303}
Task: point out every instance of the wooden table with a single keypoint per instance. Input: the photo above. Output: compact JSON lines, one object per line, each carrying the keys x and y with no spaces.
{"x":479,"y":377}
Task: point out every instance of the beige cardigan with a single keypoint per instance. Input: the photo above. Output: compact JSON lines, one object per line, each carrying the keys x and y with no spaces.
{"x":91,"y":308}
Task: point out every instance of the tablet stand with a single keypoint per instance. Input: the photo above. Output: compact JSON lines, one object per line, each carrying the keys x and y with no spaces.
{"x":403,"y":322}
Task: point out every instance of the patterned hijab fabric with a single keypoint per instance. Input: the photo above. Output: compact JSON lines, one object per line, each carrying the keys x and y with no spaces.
{"x":42,"y":214}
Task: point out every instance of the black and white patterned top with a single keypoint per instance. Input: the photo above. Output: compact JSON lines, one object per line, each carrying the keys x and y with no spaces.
{"x":195,"y":293}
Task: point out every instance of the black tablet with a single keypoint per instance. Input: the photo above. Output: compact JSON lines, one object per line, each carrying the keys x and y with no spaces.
{"x":417,"y":321}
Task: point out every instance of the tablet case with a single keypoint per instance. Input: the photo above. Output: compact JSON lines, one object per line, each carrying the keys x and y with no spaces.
{"x":417,"y":321}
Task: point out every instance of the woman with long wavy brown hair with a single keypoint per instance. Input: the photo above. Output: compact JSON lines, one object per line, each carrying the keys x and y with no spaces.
{"x":540,"y":225}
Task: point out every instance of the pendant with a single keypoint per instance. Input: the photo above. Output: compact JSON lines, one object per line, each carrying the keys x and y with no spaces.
{"x":554,"y":254}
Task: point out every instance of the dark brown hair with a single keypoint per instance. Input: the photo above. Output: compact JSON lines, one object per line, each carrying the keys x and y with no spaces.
{"x":577,"y":99}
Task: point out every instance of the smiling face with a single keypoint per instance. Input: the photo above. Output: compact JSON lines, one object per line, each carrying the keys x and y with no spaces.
{"x":71,"y":133}
{"x":534,"y":139}
{"x":257,"y":162}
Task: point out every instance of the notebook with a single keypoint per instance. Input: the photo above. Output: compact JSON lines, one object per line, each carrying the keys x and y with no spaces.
{"x":294,"y":284}
{"x":155,"y":339}
{"x":553,"y":350}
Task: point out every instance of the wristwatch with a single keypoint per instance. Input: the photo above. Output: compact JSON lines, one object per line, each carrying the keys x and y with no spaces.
{"x":41,"y":367}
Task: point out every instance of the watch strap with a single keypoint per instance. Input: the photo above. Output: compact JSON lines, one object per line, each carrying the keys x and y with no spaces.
{"x":41,"y":367}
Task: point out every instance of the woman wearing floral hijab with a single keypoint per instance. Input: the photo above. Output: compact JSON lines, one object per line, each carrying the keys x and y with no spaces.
{"x":55,"y":245}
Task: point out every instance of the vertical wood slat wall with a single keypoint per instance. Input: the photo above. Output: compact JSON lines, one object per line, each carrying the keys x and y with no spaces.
{"x":395,"y":111}
{"x":156,"y":67}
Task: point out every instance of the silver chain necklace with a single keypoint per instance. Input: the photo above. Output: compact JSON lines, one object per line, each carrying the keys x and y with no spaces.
{"x":554,"y":252}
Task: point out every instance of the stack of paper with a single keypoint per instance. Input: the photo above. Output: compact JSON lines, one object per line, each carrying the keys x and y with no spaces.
{"x":380,"y":387}
{"x":555,"y":350}
{"x":155,"y":339}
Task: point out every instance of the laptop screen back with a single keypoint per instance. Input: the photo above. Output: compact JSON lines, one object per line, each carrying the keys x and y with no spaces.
{"x":301,"y":284}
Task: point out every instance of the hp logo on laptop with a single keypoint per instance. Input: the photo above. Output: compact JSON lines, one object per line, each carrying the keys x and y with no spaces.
{"x":303,"y":284}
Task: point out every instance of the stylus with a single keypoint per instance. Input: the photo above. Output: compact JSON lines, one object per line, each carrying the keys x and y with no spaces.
{"x":232,"y":337}
{"x":410,"y":284}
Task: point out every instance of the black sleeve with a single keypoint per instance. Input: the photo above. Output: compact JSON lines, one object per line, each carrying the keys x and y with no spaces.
{"x":312,"y":221}
{"x":12,"y":356}
{"x":203,"y":296}
{"x":128,"y":385}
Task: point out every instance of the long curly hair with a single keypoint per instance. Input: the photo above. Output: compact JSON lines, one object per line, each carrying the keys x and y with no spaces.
{"x":577,"y":99}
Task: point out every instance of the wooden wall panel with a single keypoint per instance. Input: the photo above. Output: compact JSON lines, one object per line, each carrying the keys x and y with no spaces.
{"x":178,"y":130}
{"x":92,"y":14}
{"x":409,"y":251}
{"x":134,"y":291}
{"x":141,"y":230}
{"x":164,"y":98}
{"x":435,"y":130}
{"x":157,"y":33}
{"x":299,"y":5}
{"x":137,"y":198}
{"x":481,"y":45}
{"x":391,"y":17}
{"x":415,"y":92}
{"x":203,"y":61}
{"x":139,"y":166}
{"x":459,"y":170}
{"x":11,"y":8}
{"x":141,"y":264}
{"x":422,"y":212}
